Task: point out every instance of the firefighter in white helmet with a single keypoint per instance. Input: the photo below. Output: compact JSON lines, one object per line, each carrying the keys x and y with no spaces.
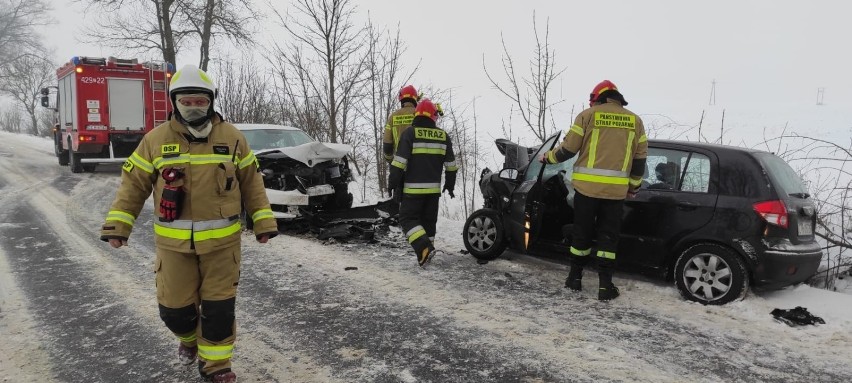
{"x":201,"y":172}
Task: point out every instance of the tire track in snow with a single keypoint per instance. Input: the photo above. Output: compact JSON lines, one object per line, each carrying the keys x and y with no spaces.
{"x":125,"y":273}
{"x":577,"y":335}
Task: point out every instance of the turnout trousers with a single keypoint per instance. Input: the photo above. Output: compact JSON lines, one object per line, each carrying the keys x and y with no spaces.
{"x":196,"y":294}
{"x":418,"y":216}
{"x":596,"y":220}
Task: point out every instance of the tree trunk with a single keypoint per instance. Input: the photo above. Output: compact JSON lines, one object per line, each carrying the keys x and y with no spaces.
{"x":33,"y":120}
{"x":332,"y":103}
{"x":206,"y":34}
{"x":166,"y":35}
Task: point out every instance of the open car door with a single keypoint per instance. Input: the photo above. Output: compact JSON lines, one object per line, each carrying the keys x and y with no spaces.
{"x":527,"y":199}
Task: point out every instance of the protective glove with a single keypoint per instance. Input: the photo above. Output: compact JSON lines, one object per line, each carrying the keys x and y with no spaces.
{"x":632,"y":193}
{"x":543,"y":158}
{"x":170,"y":202}
{"x":449,"y":191}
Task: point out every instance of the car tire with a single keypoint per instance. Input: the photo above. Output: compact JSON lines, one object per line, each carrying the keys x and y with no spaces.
{"x":61,"y":154}
{"x":711,"y":274}
{"x":74,"y":160}
{"x":484,"y":236}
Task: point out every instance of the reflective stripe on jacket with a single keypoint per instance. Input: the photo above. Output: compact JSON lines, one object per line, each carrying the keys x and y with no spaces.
{"x":607,"y":138}
{"x":220,"y":176}
{"x":423,"y":154}
{"x":397,"y":122}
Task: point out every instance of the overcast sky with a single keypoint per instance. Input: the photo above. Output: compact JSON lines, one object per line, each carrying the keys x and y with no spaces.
{"x":768,"y":58}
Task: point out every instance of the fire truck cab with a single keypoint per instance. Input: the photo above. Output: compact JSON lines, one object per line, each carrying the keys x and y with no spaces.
{"x":103,"y":107}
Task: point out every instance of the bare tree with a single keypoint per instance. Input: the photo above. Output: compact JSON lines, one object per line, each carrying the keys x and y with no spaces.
{"x":384,"y":67}
{"x":11,"y":120}
{"x":214,"y":18}
{"x":140,"y":26}
{"x":166,"y":26}
{"x":825,"y":167}
{"x":245,"y":93}
{"x":325,"y":59}
{"x":46,"y":122}
{"x":530,"y":94}
{"x":19,"y":21}
{"x":22,"y":81}
{"x":457,"y":123}
{"x":294,"y":100}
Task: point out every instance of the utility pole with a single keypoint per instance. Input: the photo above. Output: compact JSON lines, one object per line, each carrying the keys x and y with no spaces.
{"x":820,"y":96}
{"x":713,"y":92}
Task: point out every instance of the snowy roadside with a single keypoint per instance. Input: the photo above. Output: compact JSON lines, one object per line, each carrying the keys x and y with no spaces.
{"x":306,"y":315}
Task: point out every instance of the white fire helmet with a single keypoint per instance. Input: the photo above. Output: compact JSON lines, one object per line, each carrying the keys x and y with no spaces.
{"x":191,"y":79}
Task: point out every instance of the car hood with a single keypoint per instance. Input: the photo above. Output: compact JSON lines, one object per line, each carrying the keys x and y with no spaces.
{"x":311,"y":153}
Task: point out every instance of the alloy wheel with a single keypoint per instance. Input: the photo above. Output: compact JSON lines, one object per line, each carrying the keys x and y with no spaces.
{"x":707,"y":276}
{"x":482,"y":233}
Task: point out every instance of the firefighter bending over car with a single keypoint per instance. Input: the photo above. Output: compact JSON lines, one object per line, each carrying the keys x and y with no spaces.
{"x":424,"y":152}
{"x":611,"y":149}
{"x":201,"y":172}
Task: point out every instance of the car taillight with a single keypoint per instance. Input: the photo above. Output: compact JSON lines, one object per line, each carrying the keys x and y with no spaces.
{"x":773,"y":212}
{"x":84,"y":138}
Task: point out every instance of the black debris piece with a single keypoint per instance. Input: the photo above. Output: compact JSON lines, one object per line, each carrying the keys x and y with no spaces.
{"x":798,"y":316}
{"x":347,"y":268}
{"x":482,"y":261}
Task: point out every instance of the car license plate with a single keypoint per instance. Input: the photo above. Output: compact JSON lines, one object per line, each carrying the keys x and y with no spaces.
{"x":806,"y":227}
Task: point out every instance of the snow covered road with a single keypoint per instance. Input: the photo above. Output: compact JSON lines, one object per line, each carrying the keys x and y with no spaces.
{"x":74,"y":310}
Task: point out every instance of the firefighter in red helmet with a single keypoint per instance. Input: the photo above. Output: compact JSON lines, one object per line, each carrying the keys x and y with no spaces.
{"x":425,"y":150}
{"x":611,"y":147}
{"x":399,"y":120}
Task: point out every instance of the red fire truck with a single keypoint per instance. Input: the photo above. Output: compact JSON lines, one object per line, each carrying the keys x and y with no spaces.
{"x":103,"y":107}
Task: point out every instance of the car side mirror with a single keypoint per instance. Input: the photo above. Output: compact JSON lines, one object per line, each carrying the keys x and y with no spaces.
{"x":509,"y":174}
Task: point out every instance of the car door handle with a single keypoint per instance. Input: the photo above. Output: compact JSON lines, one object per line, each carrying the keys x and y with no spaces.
{"x":687,"y":205}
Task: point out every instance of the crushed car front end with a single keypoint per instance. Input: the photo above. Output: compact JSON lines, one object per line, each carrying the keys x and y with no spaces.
{"x":313,"y":176}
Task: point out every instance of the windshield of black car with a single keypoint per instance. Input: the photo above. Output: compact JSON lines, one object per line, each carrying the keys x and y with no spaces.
{"x":782,"y":175}
{"x":260,"y":139}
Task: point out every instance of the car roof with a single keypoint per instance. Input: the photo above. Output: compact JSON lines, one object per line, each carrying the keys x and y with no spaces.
{"x":264,"y":127}
{"x":717,"y":148}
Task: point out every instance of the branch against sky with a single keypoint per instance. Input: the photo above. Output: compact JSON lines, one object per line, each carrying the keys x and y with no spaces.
{"x":325,"y":53}
{"x":530,"y":93}
{"x":212,"y":19}
{"x":19,"y":22}
{"x":140,"y":26}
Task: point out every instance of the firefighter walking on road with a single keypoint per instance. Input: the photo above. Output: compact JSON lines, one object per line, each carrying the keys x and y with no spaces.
{"x":201,"y":172}
{"x":611,"y":149}
{"x":399,"y":120}
{"x":424,"y":152}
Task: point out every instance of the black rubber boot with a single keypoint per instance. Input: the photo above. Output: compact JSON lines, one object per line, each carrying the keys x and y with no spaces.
{"x":575,"y":276}
{"x":607,"y":291}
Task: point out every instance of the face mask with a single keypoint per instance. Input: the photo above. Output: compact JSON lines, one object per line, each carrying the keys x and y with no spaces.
{"x":195,"y":116}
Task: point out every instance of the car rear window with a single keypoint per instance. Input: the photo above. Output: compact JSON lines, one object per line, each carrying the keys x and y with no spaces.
{"x":781,"y":174}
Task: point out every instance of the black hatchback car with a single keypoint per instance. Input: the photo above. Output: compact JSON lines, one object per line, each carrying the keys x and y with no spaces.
{"x":714,"y":218}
